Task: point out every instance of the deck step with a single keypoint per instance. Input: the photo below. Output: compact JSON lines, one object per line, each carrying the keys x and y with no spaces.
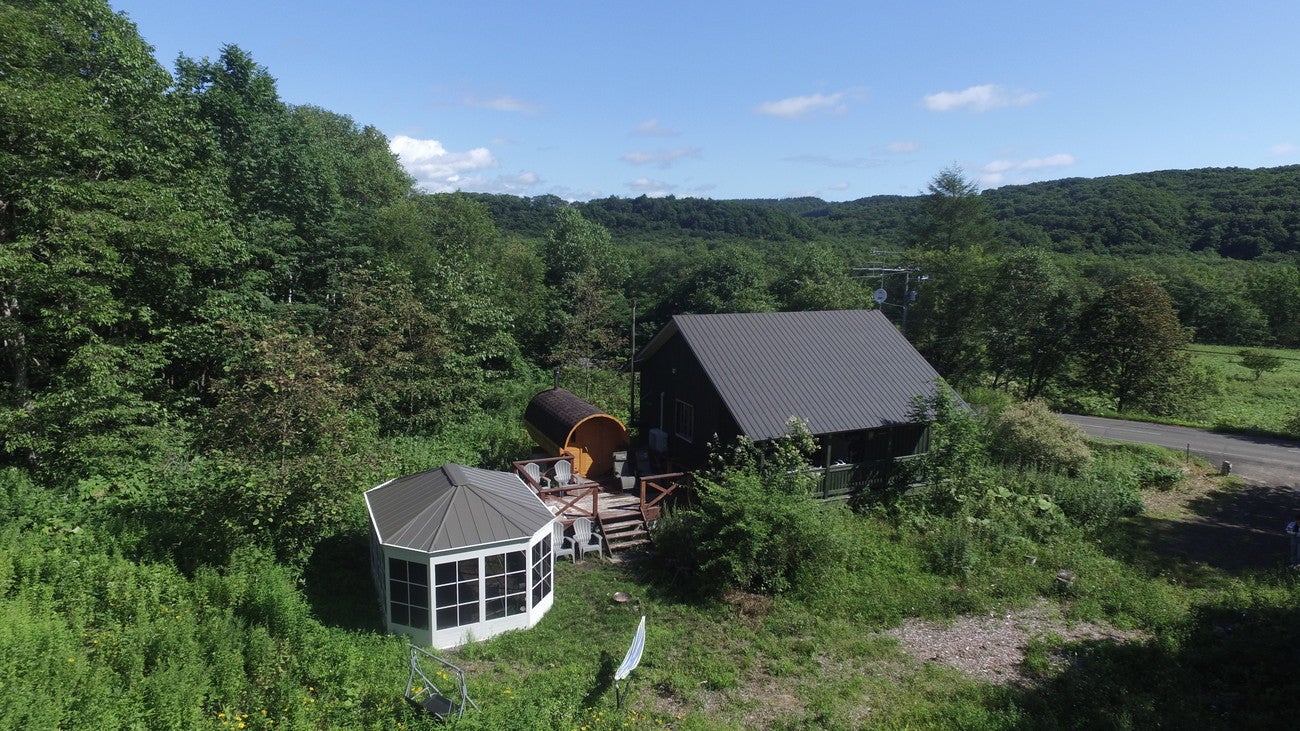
{"x":621,"y":545}
{"x":630,"y":529}
{"x":625,"y":533}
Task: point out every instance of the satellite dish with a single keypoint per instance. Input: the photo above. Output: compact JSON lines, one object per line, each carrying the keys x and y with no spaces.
{"x":881,"y":295}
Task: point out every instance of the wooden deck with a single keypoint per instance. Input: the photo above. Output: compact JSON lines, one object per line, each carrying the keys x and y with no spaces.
{"x":622,"y":516}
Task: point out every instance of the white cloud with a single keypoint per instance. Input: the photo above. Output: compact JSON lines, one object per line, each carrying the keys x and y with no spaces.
{"x":503,"y":104}
{"x":902,"y":147}
{"x":437,"y":170}
{"x":1285,"y":149}
{"x":1002,"y":172}
{"x":801,"y":106}
{"x":662,"y":158}
{"x":652,"y":128}
{"x":978,"y":99}
{"x":839,"y":186}
{"x":652,"y":188}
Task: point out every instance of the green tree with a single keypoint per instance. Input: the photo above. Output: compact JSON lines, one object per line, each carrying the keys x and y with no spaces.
{"x":394,"y":352}
{"x":948,"y":322}
{"x":953,"y":215}
{"x":575,"y":245}
{"x":1132,"y":347}
{"x":1031,"y":313}
{"x":1259,"y":361}
{"x":813,"y":277}
{"x":731,"y":279}
{"x":284,"y":421}
{"x":113,"y":238}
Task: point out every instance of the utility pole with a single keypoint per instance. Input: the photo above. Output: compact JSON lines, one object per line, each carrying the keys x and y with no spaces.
{"x":631,"y":373}
{"x":909,"y":294}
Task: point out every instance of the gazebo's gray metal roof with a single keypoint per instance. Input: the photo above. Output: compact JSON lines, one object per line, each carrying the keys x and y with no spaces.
{"x":454,"y":507}
{"x":839,"y":370}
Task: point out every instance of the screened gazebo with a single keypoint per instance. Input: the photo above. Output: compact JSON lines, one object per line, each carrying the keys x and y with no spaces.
{"x":564,"y":424}
{"x":459,"y":554}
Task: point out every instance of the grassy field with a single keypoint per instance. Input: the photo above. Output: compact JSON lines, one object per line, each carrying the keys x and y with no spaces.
{"x":1248,"y":404}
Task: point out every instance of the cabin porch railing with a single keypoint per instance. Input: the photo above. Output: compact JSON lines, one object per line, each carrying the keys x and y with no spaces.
{"x":656,"y":488}
{"x":841,"y":481}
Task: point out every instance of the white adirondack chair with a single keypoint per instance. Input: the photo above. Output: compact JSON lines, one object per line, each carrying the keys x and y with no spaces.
{"x":560,"y":544}
{"x":585,"y":540}
{"x":563,"y":472}
{"x":534,"y":472}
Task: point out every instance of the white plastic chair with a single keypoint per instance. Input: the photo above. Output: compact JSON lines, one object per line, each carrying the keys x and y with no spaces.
{"x":559,"y":543}
{"x":563,"y":472}
{"x":534,"y":472}
{"x":585,"y":540}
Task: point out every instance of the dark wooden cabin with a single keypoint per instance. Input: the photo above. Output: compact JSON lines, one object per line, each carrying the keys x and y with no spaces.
{"x":849,"y":374}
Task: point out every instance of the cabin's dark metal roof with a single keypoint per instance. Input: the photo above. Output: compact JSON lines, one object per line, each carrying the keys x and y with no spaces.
{"x":453,"y":507}
{"x":840,"y":370}
{"x":555,"y":411}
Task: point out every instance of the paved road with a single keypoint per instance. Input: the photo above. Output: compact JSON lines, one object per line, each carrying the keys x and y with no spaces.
{"x":1259,"y":459}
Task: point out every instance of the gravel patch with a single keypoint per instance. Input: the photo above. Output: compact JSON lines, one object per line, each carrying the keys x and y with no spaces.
{"x":991,"y":647}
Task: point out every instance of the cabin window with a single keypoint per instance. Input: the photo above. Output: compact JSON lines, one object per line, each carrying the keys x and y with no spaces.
{"x":408,"y":592}
{"x":542,"y":568}
{"x":685,"y":424}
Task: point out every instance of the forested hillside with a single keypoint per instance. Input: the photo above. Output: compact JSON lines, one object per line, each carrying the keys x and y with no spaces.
{"x":1237,"y":213}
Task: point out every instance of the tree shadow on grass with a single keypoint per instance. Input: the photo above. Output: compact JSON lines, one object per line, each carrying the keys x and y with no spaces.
{"x":338,"y":584}
{"x":1231,"y":532}
{"x":1230,"y":667}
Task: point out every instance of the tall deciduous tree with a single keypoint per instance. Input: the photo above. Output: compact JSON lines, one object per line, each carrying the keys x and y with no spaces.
{"x":948,"y":322}
{"x":585,"y":276}
{"x":111,"y":235}
{"x":1131,"y":346}
{"x":394,"y":352}
{"x":285,"y":418}
{"x":1031,"y":314}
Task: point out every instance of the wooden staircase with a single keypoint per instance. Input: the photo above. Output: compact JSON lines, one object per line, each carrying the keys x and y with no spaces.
{"x":624,"y":531}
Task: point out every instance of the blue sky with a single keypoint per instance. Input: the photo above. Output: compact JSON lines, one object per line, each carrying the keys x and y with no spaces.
{"x":839,"y":100}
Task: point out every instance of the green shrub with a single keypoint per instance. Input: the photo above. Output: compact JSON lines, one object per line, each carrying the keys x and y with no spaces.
{"x":752,"y":532}
{"x":1095,"y":500}
{"x":1158,"y":476}
{"x":1293,"y":425}
{"x":1029,"y":434}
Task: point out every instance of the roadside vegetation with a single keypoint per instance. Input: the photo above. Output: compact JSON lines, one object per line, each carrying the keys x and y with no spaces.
{"x":222,"y":317}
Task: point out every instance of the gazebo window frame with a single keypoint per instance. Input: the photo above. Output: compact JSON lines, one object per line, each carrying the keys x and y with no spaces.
{"x":491,"y":586}
{"x":408,"y":597}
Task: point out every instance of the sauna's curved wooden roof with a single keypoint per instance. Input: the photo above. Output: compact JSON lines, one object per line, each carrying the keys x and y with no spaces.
{"x":556,"y":412}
